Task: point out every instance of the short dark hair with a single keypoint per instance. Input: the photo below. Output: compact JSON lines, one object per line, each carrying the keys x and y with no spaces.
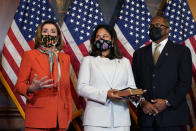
{"x":114,"y":51}
{"x":38,"y":35}
{"x":165,"y":20}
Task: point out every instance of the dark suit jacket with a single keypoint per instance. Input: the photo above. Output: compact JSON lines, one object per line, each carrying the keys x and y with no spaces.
{"x":169,"y":79}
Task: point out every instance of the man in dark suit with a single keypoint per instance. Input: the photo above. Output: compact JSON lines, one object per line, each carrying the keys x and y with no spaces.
{"x":164,"y":69}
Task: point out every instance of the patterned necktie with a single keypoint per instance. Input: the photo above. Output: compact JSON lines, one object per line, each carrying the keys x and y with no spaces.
{"x":156,"y":53}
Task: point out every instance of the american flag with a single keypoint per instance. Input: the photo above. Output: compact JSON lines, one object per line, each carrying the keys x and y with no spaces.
{"x":20,"y":38}
{"x":78,"y":25}
{"x":132,"y":31}
{"x":183,"y":31}
{"x":132,"y":26}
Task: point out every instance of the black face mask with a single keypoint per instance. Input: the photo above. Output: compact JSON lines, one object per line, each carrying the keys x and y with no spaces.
{"x":103,"y":45}
{"x":155,"y":33}
{"x":49,"y":40}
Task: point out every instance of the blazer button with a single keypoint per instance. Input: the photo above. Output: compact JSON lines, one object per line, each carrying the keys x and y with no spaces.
{"x":154,"y":87}
{"x":153,"y":75}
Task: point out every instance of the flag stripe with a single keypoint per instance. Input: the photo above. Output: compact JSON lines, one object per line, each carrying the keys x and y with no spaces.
{"x":193,"y":42}
{"x":10,"y":64}
{"x":72,"y":42}
{"x":9,"y":48}
{"x":193,"y":102}
{"x":11,"y":79}
{"x":78,"y":101}
{"x":194,"y":73}
{"x":147,"y":43}
{"x":10,"y":85}
{"x":87,"y":45}
{"x":73,"y":87}
{"x":74,"y":61}
{"x":74,"y":96}
{"x":83,"y":49}
{"x":31,"y":43}
{"x":123,"y":40}
{"x":124,"y":51}
{"x":15,"y":43}
{"x":191,"y":114}
{"x":6,"y":76}
{"x":193,"y":53}
{"x":19,"y":36}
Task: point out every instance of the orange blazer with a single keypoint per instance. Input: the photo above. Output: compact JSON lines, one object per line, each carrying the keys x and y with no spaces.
{"x":45,"y":106}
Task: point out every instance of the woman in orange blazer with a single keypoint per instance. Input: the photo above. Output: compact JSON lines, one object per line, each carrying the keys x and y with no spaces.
{"x":43,"y":79}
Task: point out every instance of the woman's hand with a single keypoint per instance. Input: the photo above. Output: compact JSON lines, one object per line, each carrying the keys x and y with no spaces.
{"x":40,"y":84}
{"x":112,"y":94}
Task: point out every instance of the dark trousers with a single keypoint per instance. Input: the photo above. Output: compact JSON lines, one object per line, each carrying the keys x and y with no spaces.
{"x":171,"y":128}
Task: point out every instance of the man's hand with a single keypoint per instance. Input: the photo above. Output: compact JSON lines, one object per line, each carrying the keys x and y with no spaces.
{"x":148,"y":108}
{"x":159,"y":104}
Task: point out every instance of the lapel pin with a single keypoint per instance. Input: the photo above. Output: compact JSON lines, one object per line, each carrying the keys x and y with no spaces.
{"x":166,"y":54}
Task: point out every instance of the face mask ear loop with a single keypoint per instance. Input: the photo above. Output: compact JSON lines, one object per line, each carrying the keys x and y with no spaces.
{"x":55,"y":43}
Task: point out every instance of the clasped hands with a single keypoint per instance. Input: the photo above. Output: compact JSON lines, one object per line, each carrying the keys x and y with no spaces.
{"x":153,"y":107}
{"x":43,"y":83}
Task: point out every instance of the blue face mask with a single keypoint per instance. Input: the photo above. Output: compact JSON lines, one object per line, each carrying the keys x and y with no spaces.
{"x":103,"y":45}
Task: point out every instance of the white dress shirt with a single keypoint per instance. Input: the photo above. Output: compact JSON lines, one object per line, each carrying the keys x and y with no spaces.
{"x":163,"y":43}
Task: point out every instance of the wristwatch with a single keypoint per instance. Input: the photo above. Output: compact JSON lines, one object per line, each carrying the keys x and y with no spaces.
{"x":167,"y":103}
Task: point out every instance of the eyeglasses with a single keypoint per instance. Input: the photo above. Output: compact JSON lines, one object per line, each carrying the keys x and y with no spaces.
{"x":157,"y":25}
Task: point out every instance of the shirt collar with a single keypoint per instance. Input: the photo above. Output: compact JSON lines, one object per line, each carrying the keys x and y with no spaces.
{"x":163,"y":43}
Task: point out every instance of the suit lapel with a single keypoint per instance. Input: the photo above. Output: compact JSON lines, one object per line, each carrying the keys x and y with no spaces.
{"x":164,"y":54}
{"x":149,"y":57}
{"x":42,"y":60}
